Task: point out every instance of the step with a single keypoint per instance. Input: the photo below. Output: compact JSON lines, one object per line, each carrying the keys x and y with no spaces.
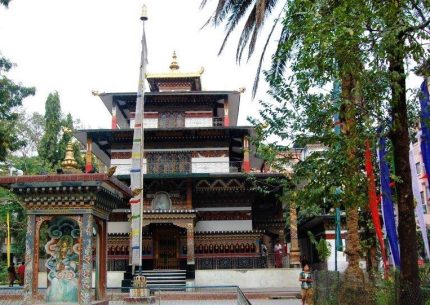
{"x":163,"y":279}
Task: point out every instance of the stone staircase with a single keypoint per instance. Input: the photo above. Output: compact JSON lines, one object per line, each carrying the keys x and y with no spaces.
{"x":158,"y":279}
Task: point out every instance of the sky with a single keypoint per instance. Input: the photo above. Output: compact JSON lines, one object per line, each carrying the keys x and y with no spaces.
{"x":78,"y":46}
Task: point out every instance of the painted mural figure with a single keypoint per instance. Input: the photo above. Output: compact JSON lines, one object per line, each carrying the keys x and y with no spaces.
{"x":63,"y":249}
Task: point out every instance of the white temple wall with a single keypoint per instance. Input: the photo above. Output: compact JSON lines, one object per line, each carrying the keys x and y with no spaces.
{"x":198,"y":122}
{"x":249,"y":278}
{"x":118,"y":227}
{"x":210,"y":165}
{"x":223,"y":225}
{"x":147,"y":123}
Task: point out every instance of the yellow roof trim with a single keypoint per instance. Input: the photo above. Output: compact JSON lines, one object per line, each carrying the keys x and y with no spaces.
{"x":175,"y":74}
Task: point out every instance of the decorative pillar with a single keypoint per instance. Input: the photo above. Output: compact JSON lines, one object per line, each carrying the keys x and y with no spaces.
{"x":226,"y":114}
{"x":89,"y":156}
{"x":295,"y":251}
{"x":101,"y":257}
{"x":114,"y":119}
{"x":30,"y":281}
{"x":189,"y":194}
{"x":191,"y":267}
{"x":87,"y":259}
{"x":246,"y":163}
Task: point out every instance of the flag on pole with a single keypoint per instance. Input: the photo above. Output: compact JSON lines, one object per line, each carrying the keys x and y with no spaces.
{"x":373,"y":202}
{"x":338,"y":241}
{"x":136,"y":172}
{"x":387,"y":203}
{"x":425,"y":126}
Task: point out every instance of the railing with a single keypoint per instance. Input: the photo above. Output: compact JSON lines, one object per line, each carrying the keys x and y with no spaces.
{"x":218,"y":122}
{"x":206,"y":262}
{"x":181,"y":167}
{"x":117,"y":264}
{"x":237,"y":262}
{"x":215,"y":295}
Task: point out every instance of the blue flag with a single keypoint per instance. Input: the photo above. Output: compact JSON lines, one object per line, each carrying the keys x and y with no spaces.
{"x":387,"y":203}
{"x":338,"y":241}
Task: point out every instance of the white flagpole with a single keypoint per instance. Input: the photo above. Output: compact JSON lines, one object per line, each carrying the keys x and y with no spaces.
{"x":136,"y":172}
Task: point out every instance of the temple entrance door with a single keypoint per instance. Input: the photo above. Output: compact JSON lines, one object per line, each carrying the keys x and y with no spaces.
{"x":167,"y":246}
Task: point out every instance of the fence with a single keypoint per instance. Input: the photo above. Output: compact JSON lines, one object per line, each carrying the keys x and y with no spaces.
{"x":238,"y":262}
{"x":213,"y":295}
{"x":330,"y":289}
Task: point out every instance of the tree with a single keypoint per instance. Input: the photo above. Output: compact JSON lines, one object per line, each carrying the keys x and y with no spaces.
{"x":48,"y":149}
{"x":367,"y":45}
{"x":10,"y":205}
{"x":399,"y":29}
{"x":11,"y":97}
{"x":30,"y":130}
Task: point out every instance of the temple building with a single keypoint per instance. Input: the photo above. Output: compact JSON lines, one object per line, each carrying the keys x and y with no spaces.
{"x":203,"y":204}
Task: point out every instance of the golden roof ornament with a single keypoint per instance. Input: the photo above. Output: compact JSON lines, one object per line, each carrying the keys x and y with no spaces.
{"x":69,"y":162}
{"x":174,"y":66}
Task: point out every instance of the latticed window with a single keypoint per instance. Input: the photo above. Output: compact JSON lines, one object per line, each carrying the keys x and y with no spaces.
{"x":171,"y":119}
{"x":169,"y":163}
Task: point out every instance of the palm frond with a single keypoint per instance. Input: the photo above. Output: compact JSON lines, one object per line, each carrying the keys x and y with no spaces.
{"x":224,"y":8}
{"x":248,"y":28}
{"x":203,"y":3}
{"x":263,"y":9}
{"x":263,"y":53}
{"x":5,"y":2}
{"x":279,"y":59}
{"x":240,"y":9}
{"x":206,"y":23}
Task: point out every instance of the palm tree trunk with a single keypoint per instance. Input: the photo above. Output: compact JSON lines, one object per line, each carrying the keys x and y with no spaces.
{"x":353,"y":274}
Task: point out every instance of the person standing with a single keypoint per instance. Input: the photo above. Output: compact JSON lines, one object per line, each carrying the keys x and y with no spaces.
{"x":263,"y":252}
{"x":11,"y":274}
{"x":278,"y":250}
{"x":306,"y":286}
{"x":21,"y":272}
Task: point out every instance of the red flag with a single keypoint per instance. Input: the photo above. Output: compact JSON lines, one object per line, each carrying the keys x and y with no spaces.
{"x":373,"y":201}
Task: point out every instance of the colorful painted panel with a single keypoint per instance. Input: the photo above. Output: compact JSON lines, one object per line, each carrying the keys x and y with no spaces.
{"x":63,"y":263}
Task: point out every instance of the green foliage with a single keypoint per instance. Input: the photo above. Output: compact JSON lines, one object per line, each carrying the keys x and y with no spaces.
{"x":322,"y":246}
{"x":30,"y":130}
{"x":57,"y":134}
{"x":49,"y":145}
{"x":11,"y":97}
{"x":10,"y":205}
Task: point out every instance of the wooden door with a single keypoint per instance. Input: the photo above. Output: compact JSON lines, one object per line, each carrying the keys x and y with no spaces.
{"x":167,"y":248}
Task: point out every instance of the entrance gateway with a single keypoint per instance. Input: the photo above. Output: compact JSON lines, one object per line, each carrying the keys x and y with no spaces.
{"x":168,"y":240}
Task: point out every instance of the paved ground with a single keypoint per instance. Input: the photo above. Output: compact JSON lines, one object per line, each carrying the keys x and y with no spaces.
{"x":221,"y":302}
{"x":188,"y":302}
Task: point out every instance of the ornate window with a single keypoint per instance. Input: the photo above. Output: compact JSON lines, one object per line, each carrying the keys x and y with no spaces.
{"x":163,"y":163}
{"x":161,"y":201}
{"x":171,"y":119}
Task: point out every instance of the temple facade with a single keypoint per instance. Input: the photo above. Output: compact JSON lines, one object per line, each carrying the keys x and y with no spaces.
{"x":203,"y":204}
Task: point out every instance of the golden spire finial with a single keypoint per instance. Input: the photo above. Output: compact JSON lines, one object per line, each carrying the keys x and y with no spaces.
{"x":174,"y":65}
{"x":69,"y":162}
